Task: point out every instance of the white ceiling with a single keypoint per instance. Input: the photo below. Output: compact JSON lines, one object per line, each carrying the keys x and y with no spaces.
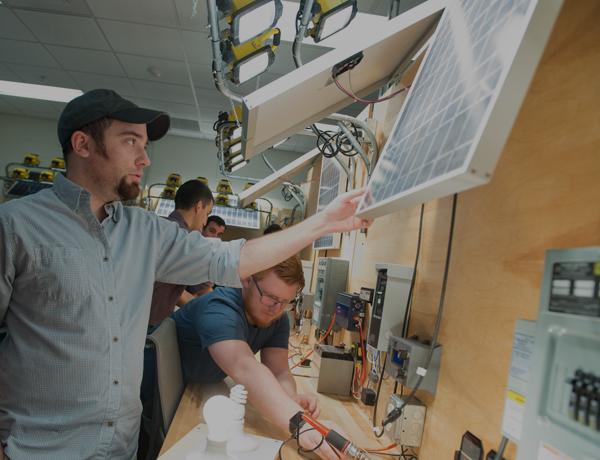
{"x":136,"y":47}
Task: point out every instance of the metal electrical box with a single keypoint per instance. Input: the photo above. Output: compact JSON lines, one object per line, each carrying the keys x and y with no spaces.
{"x":389,"y":304}
{"x":406,"y":358}
{"x":332,"y":277}
{"x":349,"y":308}
{"x":335,"y":371}
{"x":561,"y":411}
{"x":407,"y":430}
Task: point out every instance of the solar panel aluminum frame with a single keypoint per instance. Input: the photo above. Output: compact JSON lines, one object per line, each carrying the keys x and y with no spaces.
{"x":308,"y":94}
{"x":492,"y":134}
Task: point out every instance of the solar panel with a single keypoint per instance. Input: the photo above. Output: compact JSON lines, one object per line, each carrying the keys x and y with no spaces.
{"x":462,"y":104}
{"x":332,"y":184}
{"x":23,"y":187}
{"x":234,"y":217}
{"x":164,"y":207}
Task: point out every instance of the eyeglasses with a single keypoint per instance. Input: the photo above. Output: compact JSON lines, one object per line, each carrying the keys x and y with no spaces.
{"x":273,"y":302}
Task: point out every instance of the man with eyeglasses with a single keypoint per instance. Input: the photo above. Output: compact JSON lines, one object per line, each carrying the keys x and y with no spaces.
{"x":220,"y":332}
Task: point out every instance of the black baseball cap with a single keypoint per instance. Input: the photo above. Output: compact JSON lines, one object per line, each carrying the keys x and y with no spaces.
{"x":101,"y":103}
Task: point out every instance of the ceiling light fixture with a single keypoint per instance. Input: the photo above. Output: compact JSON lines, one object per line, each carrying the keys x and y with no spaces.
{"x":331,"y":16}
{"x":43,"y":92}
{"x":251,"y":19}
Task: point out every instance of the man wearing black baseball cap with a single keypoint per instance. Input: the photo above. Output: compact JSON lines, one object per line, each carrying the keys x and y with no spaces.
{"x":77,"y":270}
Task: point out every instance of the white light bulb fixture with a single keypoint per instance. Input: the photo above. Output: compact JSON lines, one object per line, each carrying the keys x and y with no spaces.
{"x":254,"y":19}
{"x":30,"y":91}
{"x":219,"y":414}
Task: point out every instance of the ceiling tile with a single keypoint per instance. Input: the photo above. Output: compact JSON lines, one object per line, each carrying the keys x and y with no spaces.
{"x":163,"y":91}
{"x":197,"y":47}
{"x":84,"y":60}
{"x":12,"y":27}
{"x":157,"y":41}
{"x":35,"y":107}
{"x":43,"y":75}
{"x":173,"y":109}
{"x":60,"y":29}
{"x":76,"y":7}
{"x":89,"y":81}
{"x":189,"y":18}
{"x":7,"y":107}
{"x":19,"y":52}
{"x":170,"y":71}
{"x":157,"y":12}
{"x":7,"y":74}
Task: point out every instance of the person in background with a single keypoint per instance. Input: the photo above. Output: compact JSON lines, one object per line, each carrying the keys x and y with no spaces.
{"x":220,"y":332}
{"x":77,"y":269}
{"x":214,"y":228}
{"x":193,"y":203}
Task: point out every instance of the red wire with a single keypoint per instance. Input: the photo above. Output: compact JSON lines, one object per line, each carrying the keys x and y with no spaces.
{"x":318,"y":342}
{"x":364,"y":355}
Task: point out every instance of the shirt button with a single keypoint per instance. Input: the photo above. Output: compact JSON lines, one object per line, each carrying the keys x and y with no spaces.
{"x":110,"y":423}
{"x":110,"y":298}
{"x":115,"y":339}
{"x":105,"y":259}
{"x":116,"y":382}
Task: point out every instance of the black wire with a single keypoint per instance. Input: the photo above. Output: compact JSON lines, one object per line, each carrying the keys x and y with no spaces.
{"x":377,"y":397}
{"x":414,"y":277}
{"x":395,"y":413}
{"x":296,"y":436}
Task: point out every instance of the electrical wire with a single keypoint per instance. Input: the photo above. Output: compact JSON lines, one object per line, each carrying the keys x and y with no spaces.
{"x":414,"y":276}
{"x":377,"y":397}
{"x":318,"y":342}
{"x":350,"y":93}
{"x":395,"y":413}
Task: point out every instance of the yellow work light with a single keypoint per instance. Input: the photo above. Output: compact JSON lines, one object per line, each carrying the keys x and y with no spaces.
{"x":252,"y":58}
{"x":250,"y":18}
{"x":331,"y":16}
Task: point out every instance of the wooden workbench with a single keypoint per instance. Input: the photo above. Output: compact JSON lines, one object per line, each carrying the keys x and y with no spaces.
{"x":347,"y":413}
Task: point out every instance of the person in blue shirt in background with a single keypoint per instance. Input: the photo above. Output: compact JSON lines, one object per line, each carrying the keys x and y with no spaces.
{"x":220,"y":332}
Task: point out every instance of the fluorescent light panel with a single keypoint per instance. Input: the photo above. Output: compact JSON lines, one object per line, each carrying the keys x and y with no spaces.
{"x":46,"y":93}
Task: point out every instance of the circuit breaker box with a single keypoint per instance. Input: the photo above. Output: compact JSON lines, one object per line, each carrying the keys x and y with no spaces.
{"x":389,"y":304}
{"x":332,"y":277}
{"x":561,"y":411}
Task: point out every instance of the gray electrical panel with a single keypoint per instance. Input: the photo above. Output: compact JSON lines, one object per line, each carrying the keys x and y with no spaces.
{"x":561,"y":411}
{"x":407,"y":358}
{"x":332,"y":277}
{"x":407,"y":430}
{"x":389,"y":304}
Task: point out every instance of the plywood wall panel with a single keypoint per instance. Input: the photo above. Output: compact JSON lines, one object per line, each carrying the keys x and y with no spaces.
{"x":545,"y":194}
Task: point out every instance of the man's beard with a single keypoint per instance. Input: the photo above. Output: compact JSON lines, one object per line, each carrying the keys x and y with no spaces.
{"x":256,"y":321}
{"x":127,"y":191}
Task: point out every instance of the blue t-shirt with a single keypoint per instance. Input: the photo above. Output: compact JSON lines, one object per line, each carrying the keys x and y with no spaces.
{"x":214,"y":317}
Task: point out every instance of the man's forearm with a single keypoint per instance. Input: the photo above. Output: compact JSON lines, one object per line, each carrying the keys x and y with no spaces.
{"x":264,"y":252}
{"x":266,"y":393}
{"x":287,"y":382}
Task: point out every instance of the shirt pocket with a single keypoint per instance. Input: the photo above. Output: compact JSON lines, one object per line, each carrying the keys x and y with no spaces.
{"x":61,"y":274}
